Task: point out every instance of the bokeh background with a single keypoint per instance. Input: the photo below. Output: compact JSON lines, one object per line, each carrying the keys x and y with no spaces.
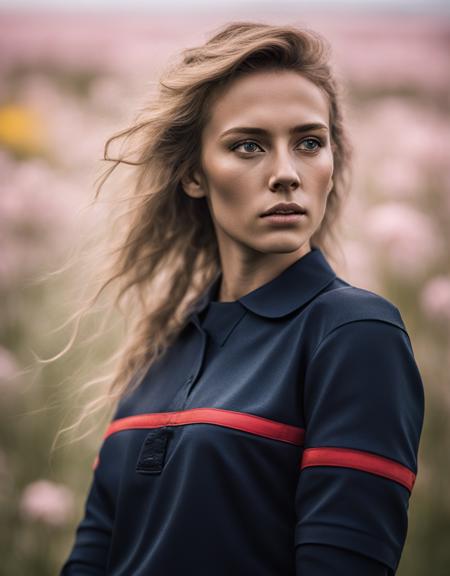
{"x":72,"y":75}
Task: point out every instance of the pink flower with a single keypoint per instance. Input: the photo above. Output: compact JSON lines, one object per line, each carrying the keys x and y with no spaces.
{"x":47,"y":502}
{"x":406,"y":238}
{"x":408,"y":133}
{"x":435,"y":298}
{"x":358,"y":267}
{"x":8,"y":365}
{"x":399,"y":178}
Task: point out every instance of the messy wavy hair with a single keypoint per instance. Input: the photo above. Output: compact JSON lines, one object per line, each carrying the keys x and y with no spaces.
{"x":167,"y":251}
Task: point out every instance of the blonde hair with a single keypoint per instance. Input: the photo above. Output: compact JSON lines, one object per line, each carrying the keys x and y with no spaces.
{"x":168,"y":253}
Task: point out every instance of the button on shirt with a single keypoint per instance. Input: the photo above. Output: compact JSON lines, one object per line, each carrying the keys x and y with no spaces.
{"x":277,"y":436}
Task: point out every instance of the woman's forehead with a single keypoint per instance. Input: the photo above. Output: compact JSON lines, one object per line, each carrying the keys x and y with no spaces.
{"x":262,"y":99}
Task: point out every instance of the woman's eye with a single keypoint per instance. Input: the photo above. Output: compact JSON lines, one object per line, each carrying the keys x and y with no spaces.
{"x":314,"y":141}
{"x":248,"y":143}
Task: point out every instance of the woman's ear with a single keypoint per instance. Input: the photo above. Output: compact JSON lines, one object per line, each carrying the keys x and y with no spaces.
{"x":192,"y":185}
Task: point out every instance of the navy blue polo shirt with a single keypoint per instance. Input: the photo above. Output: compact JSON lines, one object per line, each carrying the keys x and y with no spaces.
{"x":276,"y":426}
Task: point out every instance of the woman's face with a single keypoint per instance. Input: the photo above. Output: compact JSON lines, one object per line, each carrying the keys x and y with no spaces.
{"x":258,"y":150}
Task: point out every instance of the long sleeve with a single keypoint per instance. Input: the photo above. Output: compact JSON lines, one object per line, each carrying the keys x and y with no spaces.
{"x":364,"y":408}
{"x":90,"y":550}
{"x":321,"y":560}
{"x":89,"y":554}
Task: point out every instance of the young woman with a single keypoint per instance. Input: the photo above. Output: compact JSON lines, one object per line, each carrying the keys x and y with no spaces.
{"x":269,"y":412}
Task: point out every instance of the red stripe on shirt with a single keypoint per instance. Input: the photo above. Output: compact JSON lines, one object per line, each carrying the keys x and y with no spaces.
{"x":229,"y":418}
{"x":359,"y":460}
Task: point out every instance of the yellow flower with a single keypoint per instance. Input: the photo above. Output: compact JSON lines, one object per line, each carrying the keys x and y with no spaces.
{"x":21,"y":129}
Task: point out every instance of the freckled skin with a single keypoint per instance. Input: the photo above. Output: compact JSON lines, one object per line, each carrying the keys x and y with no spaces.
{"x":275,"y":167}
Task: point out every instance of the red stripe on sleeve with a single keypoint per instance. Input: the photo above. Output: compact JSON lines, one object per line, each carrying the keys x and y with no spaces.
{"x":359,"y":460}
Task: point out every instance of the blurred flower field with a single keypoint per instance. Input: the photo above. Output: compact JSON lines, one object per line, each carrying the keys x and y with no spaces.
{"x":70,"y":81}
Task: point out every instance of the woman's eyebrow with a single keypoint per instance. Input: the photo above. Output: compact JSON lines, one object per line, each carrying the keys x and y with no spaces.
{"x":294,"y":130}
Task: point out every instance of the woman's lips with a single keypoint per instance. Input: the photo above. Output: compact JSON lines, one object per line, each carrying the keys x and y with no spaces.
{"x":283,"y":218}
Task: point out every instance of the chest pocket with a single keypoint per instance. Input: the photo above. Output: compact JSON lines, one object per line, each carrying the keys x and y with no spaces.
{"x":153,"y":452}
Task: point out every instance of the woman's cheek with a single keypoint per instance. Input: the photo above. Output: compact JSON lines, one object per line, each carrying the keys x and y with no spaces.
{"x":225,"y":204}
{"x":319,"y":176}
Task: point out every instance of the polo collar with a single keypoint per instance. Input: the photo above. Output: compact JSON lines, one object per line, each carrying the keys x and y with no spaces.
{"x":291,"y":289}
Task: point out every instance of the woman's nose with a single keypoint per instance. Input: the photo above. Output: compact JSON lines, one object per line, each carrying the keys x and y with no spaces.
{"x":284,"y":173}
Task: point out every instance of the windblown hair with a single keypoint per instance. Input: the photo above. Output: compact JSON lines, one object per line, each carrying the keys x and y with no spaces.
{"x":168,"y":252}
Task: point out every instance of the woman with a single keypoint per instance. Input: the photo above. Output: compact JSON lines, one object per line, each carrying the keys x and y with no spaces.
{"x":269,"y":412}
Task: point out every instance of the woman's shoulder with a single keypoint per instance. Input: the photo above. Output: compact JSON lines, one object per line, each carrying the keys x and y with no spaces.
{"x":345,"y":303}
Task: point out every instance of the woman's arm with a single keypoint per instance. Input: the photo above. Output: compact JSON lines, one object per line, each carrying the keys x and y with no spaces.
{"x":364,"y":408}
{"x":322,"y":560}
{"x":90,"y":550}
{"x":89,"y":554}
